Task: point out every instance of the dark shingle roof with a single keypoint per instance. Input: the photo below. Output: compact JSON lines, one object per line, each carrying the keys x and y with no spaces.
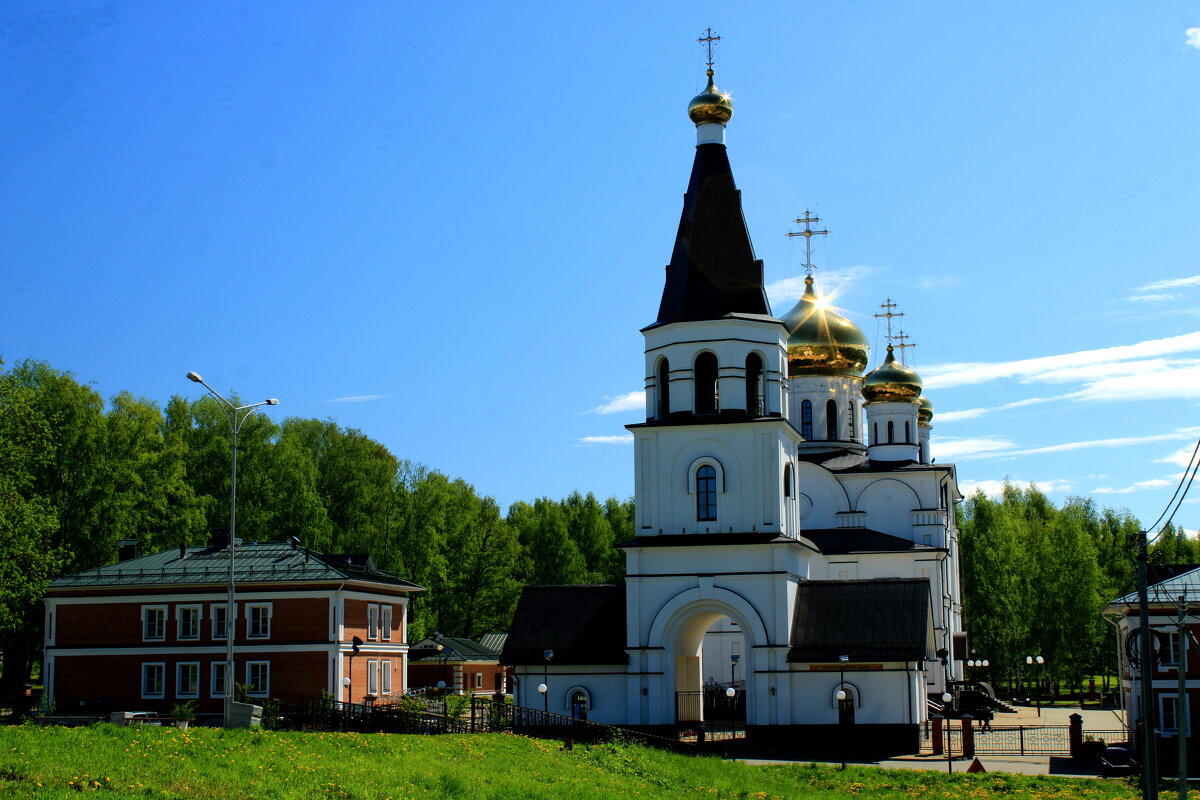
{"x":885,"y":619}
{"x":581,"y":624}
{"x":254,"y":562}
{"x":839,"y":541}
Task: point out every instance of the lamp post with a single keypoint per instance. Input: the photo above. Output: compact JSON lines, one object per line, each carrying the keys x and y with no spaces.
{"x":441,"y":685}
{"x":544,"y":688}
{"x":947,"y":707}
{"x":841,"y":698}
{"x":1030,"y":661}
{"x":731,"y":693}
{"x":236,"y":415}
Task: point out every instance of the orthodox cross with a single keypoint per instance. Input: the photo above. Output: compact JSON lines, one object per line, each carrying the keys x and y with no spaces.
{"x":807,"y":221}
{"x":903,"y":338}
{"x":708,"y":40}
{"x":888,"y":313}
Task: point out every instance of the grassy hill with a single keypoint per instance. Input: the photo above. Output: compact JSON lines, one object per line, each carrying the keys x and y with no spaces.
{"x":162,"y":762}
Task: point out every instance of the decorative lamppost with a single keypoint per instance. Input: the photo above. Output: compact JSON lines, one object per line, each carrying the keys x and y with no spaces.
{"x":842,"y":695}
{"x":947,"y":708}
{"x":236,"y":415}
{"x":544,"y":687}
{"x":1030,"y":661}
{"x":441,"y":685}
{"x":731,"y":693}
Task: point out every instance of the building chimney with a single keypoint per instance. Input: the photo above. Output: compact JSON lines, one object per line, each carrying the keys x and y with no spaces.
{"x":220,"y":538}
{"x":129,"y":548}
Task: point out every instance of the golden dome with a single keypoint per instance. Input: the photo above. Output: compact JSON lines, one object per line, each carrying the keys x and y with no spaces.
{"x":822,"y":342}
{"x":711,"y":105}
{"x":891,"y":382}
{"x":924,"y":410}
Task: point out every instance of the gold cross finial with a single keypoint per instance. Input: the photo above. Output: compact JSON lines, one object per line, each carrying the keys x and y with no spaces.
{"x":903,"y":345}
{"x":807,"y":221}
{"x":708,"y":40}
{"x":887,"y":307}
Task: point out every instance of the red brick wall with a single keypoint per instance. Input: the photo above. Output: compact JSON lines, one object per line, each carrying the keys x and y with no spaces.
{"x":357,"y":670}
{"x":355,"y":621}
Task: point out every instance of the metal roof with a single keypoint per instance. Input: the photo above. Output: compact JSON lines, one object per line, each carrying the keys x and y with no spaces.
{"x":453,"y":649}
{"x":879,"y":619}
{"x":254,"y":562}
{"x":1167,"y":591}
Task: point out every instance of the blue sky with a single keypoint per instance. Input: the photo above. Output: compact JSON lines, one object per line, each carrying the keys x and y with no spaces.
{"x":445,"y":223}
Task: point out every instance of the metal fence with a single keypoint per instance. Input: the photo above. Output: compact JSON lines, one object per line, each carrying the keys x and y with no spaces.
{"x":1014,"y":740}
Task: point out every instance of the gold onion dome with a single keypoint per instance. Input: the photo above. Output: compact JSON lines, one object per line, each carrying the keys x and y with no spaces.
{"x":822,"y":342}
{"x":711,"y":105}
{"x":892,"y":382}
{"x":924,"y":410}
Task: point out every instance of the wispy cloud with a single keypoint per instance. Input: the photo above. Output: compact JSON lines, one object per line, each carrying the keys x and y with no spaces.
{"x":1193,"y":38}
{"x":972,"y":413}
{"x":1171,"y":283}
{"x":1153,"y":298}
{"x":1153,"y":483}
{"x":1123,"y":441}
{"x":625,"y":438}
{"x":994,"y":488}
{"x":949,"y":449}
{"x":830,"y":283}
{"x":629,"y":401}
{"x":1180,"y":458}
{"x":357,"y":398}
{"x":934,"y":282}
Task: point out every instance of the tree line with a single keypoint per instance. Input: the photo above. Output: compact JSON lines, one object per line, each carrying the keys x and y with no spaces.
{"x":77,"y":475}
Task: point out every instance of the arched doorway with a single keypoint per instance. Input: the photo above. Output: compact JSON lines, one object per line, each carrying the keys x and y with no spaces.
{"x":710,"y":660}
{"x":846,"y":705}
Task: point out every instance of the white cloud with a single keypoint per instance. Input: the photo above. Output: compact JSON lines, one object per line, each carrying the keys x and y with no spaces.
{"x":949,"y":449}
{"x":626,"y":438}
{"x":994,"y":488}
{"x":1193,"y":38}
{"x":972,"y":413}
{"x":1180,"y":458}
{"x":1125,"y":441}
{"x":1152,"y":298}
{"x":629,"y":401}
{"x":358,"y":398}
{"x":933,"y":282}
{"x":829,"y":283}
{"x":1171,"y":283}
{"x":1153,"y":483}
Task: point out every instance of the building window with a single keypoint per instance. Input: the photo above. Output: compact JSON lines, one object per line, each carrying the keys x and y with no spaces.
{"x":806,"y":420}
{"x":189,"y":621}
{"x":787,"y":480}
{"x":153,"y":679}
{"x":187,"y":679}
{"x":907,"y":432}
{"x":372,"y":676}
{"x":754,"y":386}
{"x":385,"y":674}
{"x":154,"y":623}
{"x":372,"y":621}
{"x":579,"y":703}
{"x":478,"y":680}
{"x":217,"y":681}
{"x":831,"y":422}
{"x":850,"y":420}
{"x":258,"y":678}
{"x":705,"y":378}
{"x":891,"y":432}
{"x":874,"y":433}
{"x":219,"y":621}
{"x":664,"y":389}
{"x":385,"y":622}
{"x":706,"y":493}
{"x":1167,"y":718}
{"x":258,"y":621}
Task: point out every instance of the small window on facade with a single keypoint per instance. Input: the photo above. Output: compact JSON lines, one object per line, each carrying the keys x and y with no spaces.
{"x":478,"y":680}
{"x":154,"y":622}
{"x":218,"y":679}
{"x":372,"y":676}
{"x":385,"y":622}
{"x":664,"y":389}
{"x":874,"y":433}
{"x":806,"y":420}
{"x":579,"y":704}
{"x":187,"y":680}
{"x":189,"y":622}
{"x":706,"y":494}
{"x":258,"y":622}
{"x":891,"y":432}
{"x":385,"y":676}
{"x":1167,"y":716}
{"x":755,"y":406}
{"x":831,"y":420}
{"x":218,"y":622}
{"x":921,"y":453}
{"x":372,"y":621}
{"x":850,"y":419}
{"x":907,"y":432}
{"x":153,"y":679}
{"x":787,"y":480}
{"x":705,"y":379}
{"x":258,"y":678}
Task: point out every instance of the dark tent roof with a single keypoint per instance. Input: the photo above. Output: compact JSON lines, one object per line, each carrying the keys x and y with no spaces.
{"x":713,"y":271}
{"x":885,"y":619}
{"x":581,"y":624}
{"x":839,"y":541}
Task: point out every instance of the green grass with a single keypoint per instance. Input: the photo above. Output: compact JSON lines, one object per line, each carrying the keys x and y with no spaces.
{"x":162,"y":762}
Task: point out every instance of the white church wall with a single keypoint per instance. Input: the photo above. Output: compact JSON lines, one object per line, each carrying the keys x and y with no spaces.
{"x":883,"y":696}
{"x":822,"y":497}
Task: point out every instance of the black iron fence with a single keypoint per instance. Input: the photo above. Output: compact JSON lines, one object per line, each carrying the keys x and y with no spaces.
{"x":1013,"y":740}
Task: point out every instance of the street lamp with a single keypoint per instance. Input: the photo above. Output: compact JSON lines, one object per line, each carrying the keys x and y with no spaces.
{"x":731,"y":693}
{"x":542,"y":687}
{"x":1031,"y":660}
{"x":947,"y":703}
{"x":236,"y":415}
{"x":544,"y":690}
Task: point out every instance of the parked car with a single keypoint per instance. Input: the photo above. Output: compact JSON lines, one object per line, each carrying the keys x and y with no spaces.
{"x":1118,"y":760}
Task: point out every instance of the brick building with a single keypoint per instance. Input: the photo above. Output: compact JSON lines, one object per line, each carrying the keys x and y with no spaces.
{"x":465,"y":665}
{"x":149,"y":631}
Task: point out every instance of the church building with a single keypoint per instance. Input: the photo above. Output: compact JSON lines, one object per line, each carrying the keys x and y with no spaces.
{"x":795,"y":542}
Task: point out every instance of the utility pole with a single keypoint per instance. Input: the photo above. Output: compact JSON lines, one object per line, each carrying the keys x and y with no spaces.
{"x":1146,"y":676}
{"x":1181,"y":712}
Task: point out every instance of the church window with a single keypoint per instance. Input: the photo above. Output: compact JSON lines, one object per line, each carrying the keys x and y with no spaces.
{"x":664,"y":389}
{"x":754,"y":385}
{"x":787,"y":480}
{"x":706,"y":494}
{"x":874,"y":433}
{"x":850,"y":420}
{"x":806,"y":420}
{"x":891,"y":432}
{"x":579,"y":704}
{"x":907,"y":432}
{"x":831,"y":421}
{"x":705,"y":378}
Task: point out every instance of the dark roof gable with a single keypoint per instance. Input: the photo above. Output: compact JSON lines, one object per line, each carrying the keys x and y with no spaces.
{"x":581,"y":624}
{"x":884,"y":619}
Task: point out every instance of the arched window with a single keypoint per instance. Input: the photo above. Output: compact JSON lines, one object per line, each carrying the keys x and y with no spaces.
{"x":907,"y":433}
{"x":846,"y":706}
{"x":874,"y":433}
{"x":706,"y":494}
{"x":831,"y":426}
{"x":921,"y":453}
{"x":806,"y":420}
{"x":664,"y":389}
{"x":891,"y":432}
{"x":787,"y":480}
{"x":579,"y":704}
{"x":850,"y":420}
{"x":705,"y":378}
{"x":754,"y":386}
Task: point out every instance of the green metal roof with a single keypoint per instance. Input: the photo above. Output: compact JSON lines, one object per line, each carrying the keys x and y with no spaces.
{"x":254,"y":562}
{"x":454,"y":650}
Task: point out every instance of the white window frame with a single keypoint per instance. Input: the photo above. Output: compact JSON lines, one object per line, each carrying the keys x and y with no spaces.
{"x":385,"y":676}
{"x":161,"y":611}
{"x":1166,"y":706}
{"x":218,"y":667}
{"x":161,"y":668}
{"x":478,"y":680}
{"x":218,"y":631}
{"x":372,"y":621}
{"x":250,"y":690}
{"x":194,"y":667}
{"x":1170,"y":654}
{"x":372,"y":677}
{"x":250,"y":609}
{"x":180,"y":612}
{"x":385,"y":622}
